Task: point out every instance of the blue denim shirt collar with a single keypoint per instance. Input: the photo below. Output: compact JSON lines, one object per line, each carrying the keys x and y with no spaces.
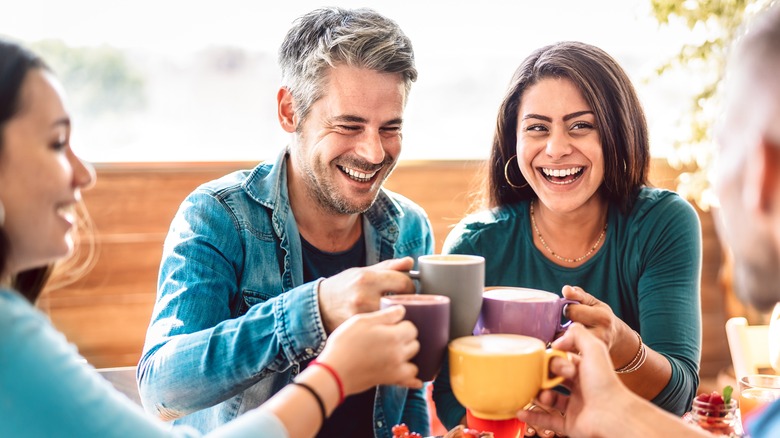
{"x":268,"y":186}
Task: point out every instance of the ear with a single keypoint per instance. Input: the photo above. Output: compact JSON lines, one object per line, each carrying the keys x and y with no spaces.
{"x":771,"y":197}
{"x":764,"y":177}
{"x":285,"y":112}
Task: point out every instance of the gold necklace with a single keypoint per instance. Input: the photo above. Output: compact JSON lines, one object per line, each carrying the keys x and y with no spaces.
{"x":564,"y":259}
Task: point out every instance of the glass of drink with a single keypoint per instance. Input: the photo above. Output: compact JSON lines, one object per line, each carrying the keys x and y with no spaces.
{"x":774,"y":339}
{"x":756,"y":391}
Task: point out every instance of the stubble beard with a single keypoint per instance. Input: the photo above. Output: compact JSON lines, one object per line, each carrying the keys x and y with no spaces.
{"x":328,"y":196}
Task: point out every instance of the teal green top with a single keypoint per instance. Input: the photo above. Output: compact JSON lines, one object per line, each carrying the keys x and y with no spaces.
{"x":648,"y":271}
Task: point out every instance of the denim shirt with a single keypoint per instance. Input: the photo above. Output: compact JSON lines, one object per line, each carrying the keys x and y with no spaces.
{"x":233,"y":318}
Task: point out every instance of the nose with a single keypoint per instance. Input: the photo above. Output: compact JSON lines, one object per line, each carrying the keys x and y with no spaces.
{"x":83,"y":173}
{"x":558,"y":144}
{"x":371,"y":148}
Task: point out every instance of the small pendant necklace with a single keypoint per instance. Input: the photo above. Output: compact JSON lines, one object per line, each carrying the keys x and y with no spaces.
{"x":553,"y":253}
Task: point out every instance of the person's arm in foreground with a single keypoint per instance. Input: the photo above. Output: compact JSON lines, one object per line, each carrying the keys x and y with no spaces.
{"x":600,"y":404}
{"x":44,"y":378}
{"x":366,"y":350}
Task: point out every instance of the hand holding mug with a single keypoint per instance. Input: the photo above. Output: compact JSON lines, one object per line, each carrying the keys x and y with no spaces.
{"x":374,"y":349}
{"x":602,"y":323}
{"x":358,"y":290}
{"x":596,"y":390}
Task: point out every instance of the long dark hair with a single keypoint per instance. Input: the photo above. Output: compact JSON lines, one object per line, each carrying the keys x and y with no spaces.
{"x":15,"y":63}
{"x":619,"y":117}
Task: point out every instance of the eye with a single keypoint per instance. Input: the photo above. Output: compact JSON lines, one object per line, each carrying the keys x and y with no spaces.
{"x":581,"y":125}
{"x":394,"y":130}
{"x":60,"y":143}
{"x":536,"y":128}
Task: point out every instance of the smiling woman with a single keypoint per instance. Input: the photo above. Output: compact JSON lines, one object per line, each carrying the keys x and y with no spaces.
{"x":569,"y":167}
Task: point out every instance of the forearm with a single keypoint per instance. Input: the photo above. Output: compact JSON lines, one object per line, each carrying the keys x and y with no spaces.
{"x":651,"y":377}
{"x":638,"y":417}
{"x":298,"y":409}
{"x":182,"y":373}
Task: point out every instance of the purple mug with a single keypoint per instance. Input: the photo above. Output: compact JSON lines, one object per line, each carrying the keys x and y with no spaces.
{"x":431,"y":315}
{"x":522,"y":311}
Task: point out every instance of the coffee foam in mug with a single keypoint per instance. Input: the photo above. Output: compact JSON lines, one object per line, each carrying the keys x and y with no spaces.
{"x":495,"y":345}
{"x":526,"y":295}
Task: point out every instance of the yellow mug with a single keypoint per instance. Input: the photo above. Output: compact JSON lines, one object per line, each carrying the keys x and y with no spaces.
{"x":496,"y":375}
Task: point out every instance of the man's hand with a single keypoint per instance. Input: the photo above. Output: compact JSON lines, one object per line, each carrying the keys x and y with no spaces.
{"x":358,"y":290}
{"x":595,"y":389}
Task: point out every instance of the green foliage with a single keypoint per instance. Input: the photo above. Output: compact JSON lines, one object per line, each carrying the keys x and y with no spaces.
{"x":717,"y":23}
{"x":99,"y":80}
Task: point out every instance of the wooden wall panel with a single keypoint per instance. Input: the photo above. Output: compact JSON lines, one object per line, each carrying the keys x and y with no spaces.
{"x":107,"y":311}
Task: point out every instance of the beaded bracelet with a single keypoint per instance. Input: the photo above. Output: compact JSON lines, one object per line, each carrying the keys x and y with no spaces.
{"x":335,"y":377}
{"x":316,"y":397}
{"x":637,"y":361}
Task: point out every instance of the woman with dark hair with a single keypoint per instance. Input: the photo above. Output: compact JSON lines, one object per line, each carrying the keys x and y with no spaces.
{"x":568,"y":208}
{"x":45,"y":387}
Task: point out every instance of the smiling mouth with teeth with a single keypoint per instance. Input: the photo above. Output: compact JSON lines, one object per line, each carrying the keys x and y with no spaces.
{"x":562,"y":176}
{"x":357,"y":175}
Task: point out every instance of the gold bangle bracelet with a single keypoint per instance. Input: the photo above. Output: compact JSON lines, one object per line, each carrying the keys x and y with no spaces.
{"x":637,"y":361}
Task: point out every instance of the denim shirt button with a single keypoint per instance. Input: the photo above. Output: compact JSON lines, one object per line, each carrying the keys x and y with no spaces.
{"x":378,"y":424}
{"x":309,"y":351}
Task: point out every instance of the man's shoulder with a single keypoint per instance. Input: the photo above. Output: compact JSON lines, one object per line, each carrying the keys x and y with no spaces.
{"x":229,"y":182}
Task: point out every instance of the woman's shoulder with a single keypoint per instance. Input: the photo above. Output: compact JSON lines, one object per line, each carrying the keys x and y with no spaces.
{"x":13,"y":304}
{"x":661,"y":202}
{"x":18,"y":318}
{"x":484,"y":226}
{"x":662,"y":211}
{"x":493,"y":217}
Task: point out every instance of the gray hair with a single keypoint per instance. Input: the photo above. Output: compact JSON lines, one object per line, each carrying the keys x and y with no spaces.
{"x":328,"y":37}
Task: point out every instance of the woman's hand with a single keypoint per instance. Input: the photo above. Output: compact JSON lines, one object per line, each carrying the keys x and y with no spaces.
{"x":373,"y":349}
{"x":550,"y":404}
{"x":599,"y":319}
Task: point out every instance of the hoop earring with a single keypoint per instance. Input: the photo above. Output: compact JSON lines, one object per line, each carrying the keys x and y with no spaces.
{"x":506,"y":174}
{"x":2,"y":214}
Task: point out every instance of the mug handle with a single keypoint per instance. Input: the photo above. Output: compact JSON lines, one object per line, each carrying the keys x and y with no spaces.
{"x":547,"y":381}
{"x":565,"y":303}
{"x":414,"y":275}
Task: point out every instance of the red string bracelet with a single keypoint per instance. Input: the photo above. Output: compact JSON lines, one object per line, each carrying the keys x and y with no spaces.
{"x":335,"y":377}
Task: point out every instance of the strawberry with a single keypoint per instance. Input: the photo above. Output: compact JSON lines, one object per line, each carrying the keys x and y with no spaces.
{"x":716,"y":399}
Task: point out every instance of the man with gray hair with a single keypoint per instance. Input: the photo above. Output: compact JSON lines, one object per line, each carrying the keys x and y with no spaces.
{"x":748,"y":185}
{"x":261,"y":265}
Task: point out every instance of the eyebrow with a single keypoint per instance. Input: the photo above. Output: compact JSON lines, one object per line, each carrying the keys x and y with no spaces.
{"x":62,"y":121}
{"x":566,"y":118}
{"x":356,"y":119}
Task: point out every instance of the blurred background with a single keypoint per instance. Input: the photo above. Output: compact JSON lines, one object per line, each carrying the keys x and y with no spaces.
{"x":153,"y":80}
